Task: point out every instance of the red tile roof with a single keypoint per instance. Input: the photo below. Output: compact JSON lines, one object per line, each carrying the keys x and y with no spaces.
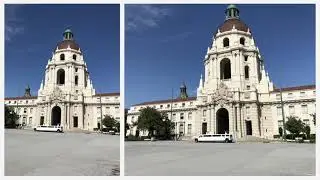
{"x":296,"y":88}
{"x":166,"y":101}
{"x":108,"y":94}
{"x":20,"y":97}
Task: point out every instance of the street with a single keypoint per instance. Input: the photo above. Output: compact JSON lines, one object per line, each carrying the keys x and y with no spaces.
{"x":182,"y":158}
{"x":29,"y":153}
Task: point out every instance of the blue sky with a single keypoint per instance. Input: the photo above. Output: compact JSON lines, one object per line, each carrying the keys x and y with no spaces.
{"x":33,"y":31}
{"x":166,"y":44}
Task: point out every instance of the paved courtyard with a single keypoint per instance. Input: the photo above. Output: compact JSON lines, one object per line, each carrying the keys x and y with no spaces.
{"x":29,"y":153}
{"x":188,"y":158}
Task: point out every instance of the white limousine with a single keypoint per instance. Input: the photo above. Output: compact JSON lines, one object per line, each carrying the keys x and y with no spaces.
{"x":227,"y":138}
{"x":49,"y":128}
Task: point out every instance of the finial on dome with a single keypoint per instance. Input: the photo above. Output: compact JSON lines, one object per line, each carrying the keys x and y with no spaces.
{"x":232,"y":12}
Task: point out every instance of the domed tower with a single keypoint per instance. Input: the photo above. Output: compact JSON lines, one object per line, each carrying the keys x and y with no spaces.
{"x":233,"y":58}
{"x":66,"y":69}
{"x":183,"y":91}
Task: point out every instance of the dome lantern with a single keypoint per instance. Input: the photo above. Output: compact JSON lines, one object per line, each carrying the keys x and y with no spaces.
{"x":232,"y":12}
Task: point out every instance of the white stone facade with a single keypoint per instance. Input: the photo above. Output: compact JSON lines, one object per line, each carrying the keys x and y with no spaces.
{"x":236,"y":94}
{"x":66,"y":96}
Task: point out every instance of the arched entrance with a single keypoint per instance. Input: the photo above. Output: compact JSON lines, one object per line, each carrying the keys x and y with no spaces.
{"x":222,"y":121}
{"x":56,"y":115}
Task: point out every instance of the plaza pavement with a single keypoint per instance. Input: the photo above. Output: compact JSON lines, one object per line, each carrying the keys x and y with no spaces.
{"x":29,"y":153}
{"x":185,"y":158}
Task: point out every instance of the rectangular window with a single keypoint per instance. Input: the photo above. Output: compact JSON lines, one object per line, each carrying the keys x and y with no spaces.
{"x":181,"y":116}
{"x":304,"y":109}
{"x":204,"y":113}
{"x":175,"y":105}
{"x":30,"y":121}
{"x":31,"y":109}
{"x":189,"y":129}
{"x":248,"y":87}
{"x":245,"y":58}
{"x":280,"y":123}
{"x":25,"y":110}
{"x":290,"y":95}
{"x":306,"y":122}
{"x":291,"y":109}
{"x":161,"y":106}
{"x":168,"y":105}
{"x":302,"y":94}
{"x":76,"y":80}
{"x":173,"y":117}
{"x":26,"y":102}
{"x":279,"y":111}
{"x":183,"y":104}
{"x":190,"y":115}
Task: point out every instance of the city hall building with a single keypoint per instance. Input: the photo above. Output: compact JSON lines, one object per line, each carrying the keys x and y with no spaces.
{"x":66,"y":95}
{"x":235,"y":95}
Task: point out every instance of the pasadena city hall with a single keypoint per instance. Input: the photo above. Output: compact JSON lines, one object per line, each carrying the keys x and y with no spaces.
{"x":66,"y":96}
{"x":235,"y":95}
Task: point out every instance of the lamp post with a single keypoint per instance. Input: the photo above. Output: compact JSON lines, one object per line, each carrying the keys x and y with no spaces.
{"x":283,"y":117}
{"x":100,"y":113}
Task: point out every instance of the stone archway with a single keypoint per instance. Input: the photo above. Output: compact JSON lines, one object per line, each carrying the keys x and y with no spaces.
{"x":222,"y":121}
{"x":56,"y":115}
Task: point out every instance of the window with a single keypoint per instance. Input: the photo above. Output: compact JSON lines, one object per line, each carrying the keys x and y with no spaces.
{"x":302,"y":94}
{"x":290,"y":95}
{"x":175,"y":105}
{"x":60,"y":76}
{"x":183,"y":104}
{"x":107,"y":108}
{"x":189,"y":129}
{"x":181,"y":116}
{"x":304,"y":109}
{"x":306,"y":122}
{"x":225,"y":69}
{"x":278,"y":96}
{"x":173,"y":117}
{"x":280,"y":123}
{"x":98,"y":99}
{"x":76,"y":80}
{"x":181,"y":129}
{"x":76,"y":91}
{"x":15,"y":101}
{"x":31,"y":110}
{"x":245,"y":58}
{"x":204,"y":113}
{"x":76,"y":69}
{"x":9,"y":102}
{"x":291,"y":109}
{"x":168,"y":105}
{"x":190,"y":115}
{"x":61,"y":57}
{"x":279,"y":111}
{"x":242,"y":40}
{"x":74,"y":57}
{"x":24,"y":120}
{"x":30,"y":121}
{"x":314,"y":92}
{"x":161,"y":106}
{"x":25,"y":110}
{"x":41,"y":110}
{"x":26,"y":101}
{"x":191,"y":103}
{"x":246,"y":72}
{"x":248,"y":87}
{"x":225,"y":42}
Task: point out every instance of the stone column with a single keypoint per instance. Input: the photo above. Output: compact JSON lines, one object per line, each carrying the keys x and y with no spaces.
{"x":214,"y":119}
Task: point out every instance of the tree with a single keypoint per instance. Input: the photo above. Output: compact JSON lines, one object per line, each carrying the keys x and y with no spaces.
{"x":307,"y":131}
{"x":151,"y":120}
{"x":10,"y":117}
{"x":294,"y":125}
{"x":167,"y":127}
{"x":314,"y":118}
{"x":280,"y":131}
{"x":109,"y":122}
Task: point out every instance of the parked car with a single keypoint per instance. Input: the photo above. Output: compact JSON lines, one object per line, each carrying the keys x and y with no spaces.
{"x":227,"y":138}
{"x":48,"y":128}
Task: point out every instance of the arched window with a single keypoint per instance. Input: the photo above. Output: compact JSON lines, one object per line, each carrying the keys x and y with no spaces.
{"x":61,"y":57}
{"x":226,"y":42}
{"x":60,"y":77}
{"x":76,"y":80}
{"x":246,"y":72}
{"x":74,"y":57}
{"x":225,"y":69}
{"x":242,"y":40}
